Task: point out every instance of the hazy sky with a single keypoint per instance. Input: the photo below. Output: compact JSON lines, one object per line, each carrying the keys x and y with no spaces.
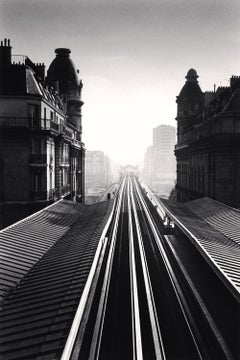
{"x":133,"y":56}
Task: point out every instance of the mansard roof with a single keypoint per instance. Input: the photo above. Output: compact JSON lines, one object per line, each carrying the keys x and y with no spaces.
{"x":21,"y":80}
{"x":214,"y":229}
{"x":234,"y":102}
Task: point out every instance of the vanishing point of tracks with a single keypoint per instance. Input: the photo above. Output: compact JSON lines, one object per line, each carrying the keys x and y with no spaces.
{"x":139,"y":305}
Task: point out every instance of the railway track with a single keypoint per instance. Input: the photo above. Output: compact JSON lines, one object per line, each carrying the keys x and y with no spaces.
{"x":140,"y":304}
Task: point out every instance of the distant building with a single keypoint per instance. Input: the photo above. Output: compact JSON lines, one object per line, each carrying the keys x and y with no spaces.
{"x":148,"y":165}
{"x":207,"y":150}
{"x":41,"y":152}
{"x":98,"y":170}
{"x":159,"y":159}
{"x":164,"y":163}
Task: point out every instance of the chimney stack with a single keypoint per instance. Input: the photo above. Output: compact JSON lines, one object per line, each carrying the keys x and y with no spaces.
{"x":5,"y":52}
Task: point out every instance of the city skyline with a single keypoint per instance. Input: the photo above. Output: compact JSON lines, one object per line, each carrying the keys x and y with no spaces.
{"x":133,"y":57}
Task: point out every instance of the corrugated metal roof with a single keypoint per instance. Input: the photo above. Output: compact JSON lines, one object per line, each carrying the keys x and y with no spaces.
{"x":36,"y":316}
{"x":222,"y":217}
{"x":214,"y":228}
{"x":24,"y":243}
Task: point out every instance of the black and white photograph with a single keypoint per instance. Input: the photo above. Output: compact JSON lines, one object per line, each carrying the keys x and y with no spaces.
{"x":119,"y":180}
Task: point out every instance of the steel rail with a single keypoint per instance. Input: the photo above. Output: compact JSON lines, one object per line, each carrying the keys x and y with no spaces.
{"x":98,"y":329}
{"x":136,"y":327}
{"x":156,"y":332}
{"x":175,"y":284}
{"x":79,"y":322}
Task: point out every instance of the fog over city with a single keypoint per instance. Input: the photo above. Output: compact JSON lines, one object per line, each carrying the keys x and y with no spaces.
{"x":119,"y":179}
{"x":132,"y":55}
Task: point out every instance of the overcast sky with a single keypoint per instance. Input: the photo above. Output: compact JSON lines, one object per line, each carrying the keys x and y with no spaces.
{"x":133,"y":56}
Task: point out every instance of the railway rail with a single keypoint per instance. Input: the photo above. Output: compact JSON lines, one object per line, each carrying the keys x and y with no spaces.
{"x":139,"y":302}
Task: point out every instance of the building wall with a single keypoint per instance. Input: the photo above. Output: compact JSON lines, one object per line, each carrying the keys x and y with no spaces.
{"x":41,"y":153}
{"x":13,"y":106}
{"x":159,"y":161}
{"x":208,"y":150}
{"x":15,"y":170}
{"x":225,"y":178}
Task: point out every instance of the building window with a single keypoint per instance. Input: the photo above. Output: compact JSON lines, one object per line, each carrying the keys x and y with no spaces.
{"x":33,"y":111}
{"x":52,"y":151}
{"x":65,"y":154}
{"x":37,"y":146}
{"x":37,"y":182}
{"x":51,"y":180}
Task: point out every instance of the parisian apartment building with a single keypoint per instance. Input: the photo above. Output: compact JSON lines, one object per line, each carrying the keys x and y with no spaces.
{"x":208,"y":138}
{"x":41,"y":150}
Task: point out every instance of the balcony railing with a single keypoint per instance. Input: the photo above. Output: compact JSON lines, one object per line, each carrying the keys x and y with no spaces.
{"x":77,"y":143}
{"x":43,"y":124}
{"x":38,"y":124}
{"x":68,"y":133}
{"x":25,"y":122}
{"x":54,"y":126}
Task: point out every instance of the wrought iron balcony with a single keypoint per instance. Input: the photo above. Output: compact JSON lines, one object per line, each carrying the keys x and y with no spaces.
{"x":39,"y":124}
{"x":77,"y":143}
{"x":44,"y":124}
{"x":26,"y":122}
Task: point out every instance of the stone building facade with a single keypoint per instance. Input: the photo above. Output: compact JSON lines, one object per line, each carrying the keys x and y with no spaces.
{"x":208,"y":138}
{"x":41,"y":151}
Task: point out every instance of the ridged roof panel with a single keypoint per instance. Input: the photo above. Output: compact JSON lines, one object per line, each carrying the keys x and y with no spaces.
{"x":24,"y":243}
{"x":36,"y":317}
{"x":214,"y":229}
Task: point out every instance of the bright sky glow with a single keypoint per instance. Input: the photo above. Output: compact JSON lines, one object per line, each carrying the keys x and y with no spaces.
{"x":133,"y":56}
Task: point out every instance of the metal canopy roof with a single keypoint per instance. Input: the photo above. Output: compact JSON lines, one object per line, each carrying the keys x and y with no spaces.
{"x":25,"y":242}
{"x":46,"y":262}
{"x":213,"y":227}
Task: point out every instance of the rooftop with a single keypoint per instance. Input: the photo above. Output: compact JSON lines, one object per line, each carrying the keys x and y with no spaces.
{"x":45,"y":262}
{"x":213,"y":227}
